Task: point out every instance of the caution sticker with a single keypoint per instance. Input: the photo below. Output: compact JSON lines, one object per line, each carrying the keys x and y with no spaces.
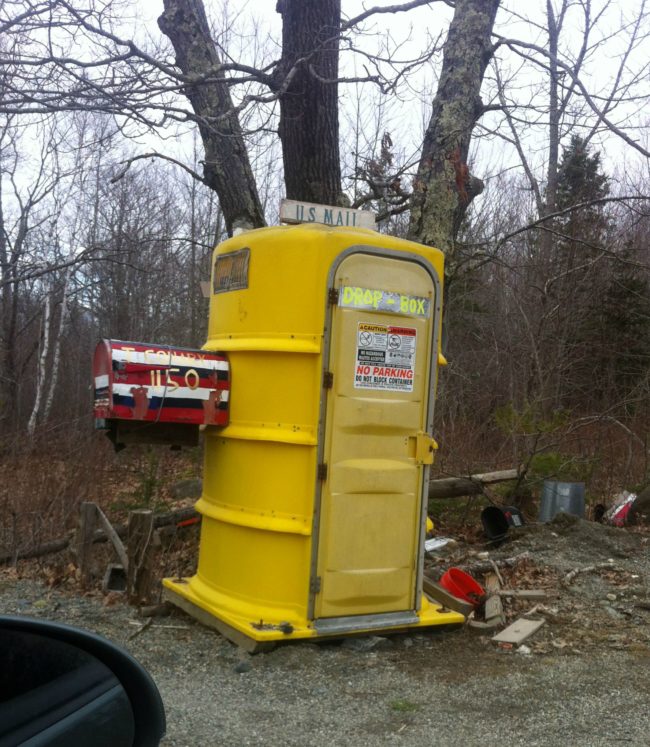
{"x":385,"y":357}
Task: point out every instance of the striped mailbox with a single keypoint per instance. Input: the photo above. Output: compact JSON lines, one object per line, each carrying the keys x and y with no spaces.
{"x":149,"y":393}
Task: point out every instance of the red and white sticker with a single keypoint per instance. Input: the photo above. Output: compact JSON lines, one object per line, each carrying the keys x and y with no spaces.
{"x":385,"y":357}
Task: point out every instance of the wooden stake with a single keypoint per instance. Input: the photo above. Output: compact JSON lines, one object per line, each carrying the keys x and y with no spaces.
{"x":85,"y":533}
{"x":139,"y":536}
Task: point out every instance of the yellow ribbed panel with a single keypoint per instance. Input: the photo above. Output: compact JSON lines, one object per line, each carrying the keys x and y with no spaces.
{"x":259,"y":538}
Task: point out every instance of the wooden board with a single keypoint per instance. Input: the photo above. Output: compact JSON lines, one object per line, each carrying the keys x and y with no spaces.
{"x":493,"y":604}
{"x":437,"y":594}
{"x":517,"y":632}
{"x":249,"y":645}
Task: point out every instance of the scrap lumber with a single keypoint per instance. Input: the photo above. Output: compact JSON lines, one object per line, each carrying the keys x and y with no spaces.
{"x":493,"y":605}
{"x":454,"y":487}
{"x":438,"y":594}
{"x":498,"y":574}
{"x":518,"y":631}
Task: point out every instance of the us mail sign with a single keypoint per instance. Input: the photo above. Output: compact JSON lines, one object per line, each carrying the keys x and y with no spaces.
{"x":294,"y":211}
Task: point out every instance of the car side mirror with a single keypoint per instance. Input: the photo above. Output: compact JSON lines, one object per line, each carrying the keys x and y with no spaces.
{"x":62,"y":686}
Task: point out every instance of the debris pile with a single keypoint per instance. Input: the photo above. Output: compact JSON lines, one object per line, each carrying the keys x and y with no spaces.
{"x":562,"y":586}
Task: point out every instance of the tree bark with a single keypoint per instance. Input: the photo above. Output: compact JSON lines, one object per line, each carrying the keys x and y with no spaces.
{"x":56,"y":355}
{"x":453,"y":487}
{"x":309,"y":119}
{"x":444,"y":187}
{"x":226,"y":168}
{"x":9,"y":257}
{"x":42,"y":365}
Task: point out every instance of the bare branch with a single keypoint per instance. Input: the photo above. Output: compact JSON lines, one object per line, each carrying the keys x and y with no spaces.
{"x":377,"y":9}
{"x":516,"y":46}
{"x":154,"y":154}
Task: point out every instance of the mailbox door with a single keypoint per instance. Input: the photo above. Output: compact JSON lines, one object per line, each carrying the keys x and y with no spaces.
{"x":376,"y":443}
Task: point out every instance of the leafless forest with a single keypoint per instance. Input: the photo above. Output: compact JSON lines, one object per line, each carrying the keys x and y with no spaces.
{"x":514,"y":136}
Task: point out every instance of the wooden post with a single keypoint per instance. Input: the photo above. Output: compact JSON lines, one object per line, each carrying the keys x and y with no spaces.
{"x":139,"y":544}
{"x":85,"y":534}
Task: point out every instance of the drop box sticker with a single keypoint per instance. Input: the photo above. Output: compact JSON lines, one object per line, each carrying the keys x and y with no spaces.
{"x":385,"y":357}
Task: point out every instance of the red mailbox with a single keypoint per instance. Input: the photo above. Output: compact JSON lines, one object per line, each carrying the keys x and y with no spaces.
{"x":151,"y":393}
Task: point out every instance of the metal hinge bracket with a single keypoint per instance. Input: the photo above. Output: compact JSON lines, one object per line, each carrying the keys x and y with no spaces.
{"x":315,"y":584}
{"x":322,"y":472}
{"x":425,"y":448}
{"x":333,"y":296}
{"x":328,"y":380}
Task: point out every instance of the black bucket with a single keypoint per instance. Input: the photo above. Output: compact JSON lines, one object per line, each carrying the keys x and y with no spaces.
{"x":495,"y":524}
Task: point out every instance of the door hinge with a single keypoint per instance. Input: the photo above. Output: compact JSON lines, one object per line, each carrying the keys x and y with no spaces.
{"x":425,"y":448}
{"x":322,"y":472}
{"x":328,"y":380}
{"x":333,"y":296}
{"x":315,"y":584}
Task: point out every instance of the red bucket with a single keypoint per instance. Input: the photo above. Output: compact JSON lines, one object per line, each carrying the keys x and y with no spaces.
{"x":462,"y":586}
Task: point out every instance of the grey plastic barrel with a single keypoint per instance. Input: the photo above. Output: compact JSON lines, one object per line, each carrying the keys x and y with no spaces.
{"x":561,"y":497}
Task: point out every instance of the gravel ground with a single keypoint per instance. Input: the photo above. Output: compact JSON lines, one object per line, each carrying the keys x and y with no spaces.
{"x":585,"y":681}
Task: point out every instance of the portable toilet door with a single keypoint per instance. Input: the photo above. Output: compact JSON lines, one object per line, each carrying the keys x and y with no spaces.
{"x":375,"y":446}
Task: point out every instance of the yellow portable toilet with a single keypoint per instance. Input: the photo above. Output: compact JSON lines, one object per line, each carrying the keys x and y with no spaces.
{"x":315,"y":494}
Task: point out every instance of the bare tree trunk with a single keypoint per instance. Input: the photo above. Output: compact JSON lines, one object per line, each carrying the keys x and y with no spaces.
{"x":309,"y":119}
{"x":42,"y":366}
{"x":553,"y":117}
{"x":56,"y":355}
{"x":227,"y":168}
{"x":444,"y":187}
{"x":9,"y":257}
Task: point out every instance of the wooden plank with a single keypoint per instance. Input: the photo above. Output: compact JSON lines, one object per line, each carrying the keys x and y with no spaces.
{"x":518,"y":631}
{"x":492,"y":583}
{"x":250,"y":645}
{"x":438,"y":594}
{"x":493,"y":604}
